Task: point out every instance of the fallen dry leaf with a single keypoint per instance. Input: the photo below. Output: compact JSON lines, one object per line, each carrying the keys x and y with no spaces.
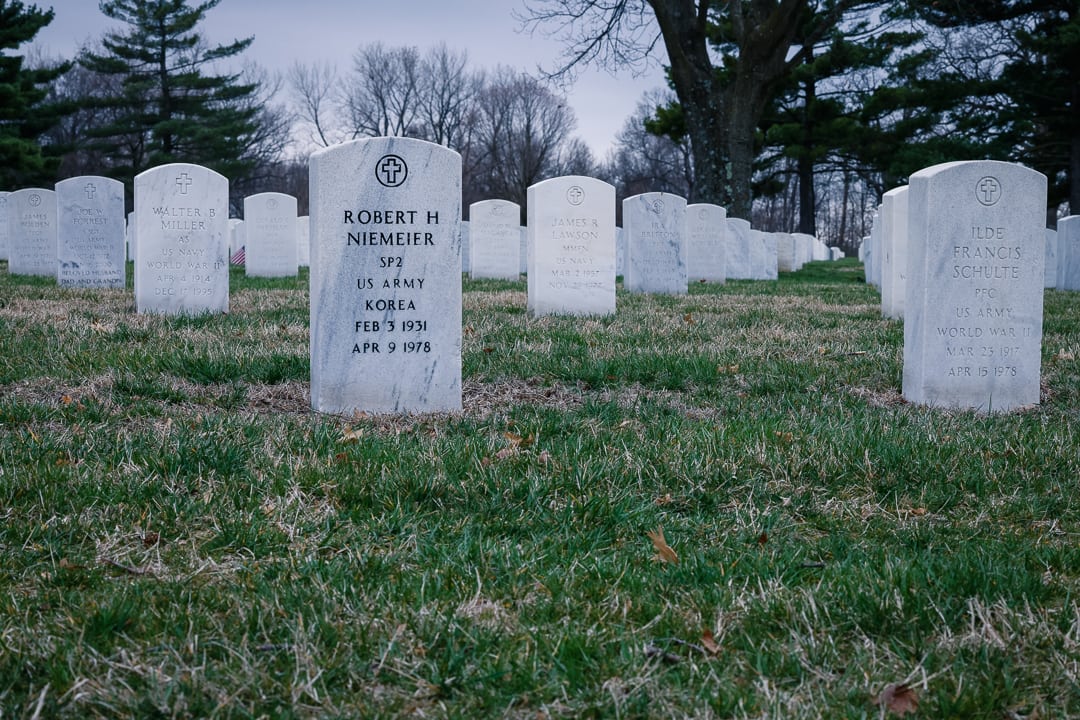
{"x":1064,"y":354}
{"x":898,"y":698}
{"x":762,"y":538}
{"x":918,"y":511}
{"x":519,"y":441}
{"x":66,"y":400}
{"x":352,"y":435}
{"x":150,"y":539}
{"x":544,"y":458}
{"x":663,"y":500}
{"x":785,"y":436}
{"x":688,"y":318}
{"x":66,"y":564}
{"x":506,"y":452}
{"x":708,"y":641}
{"x":664,"y":552}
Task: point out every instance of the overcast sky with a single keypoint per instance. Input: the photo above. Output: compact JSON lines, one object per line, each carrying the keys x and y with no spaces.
{"x":331,"y":30}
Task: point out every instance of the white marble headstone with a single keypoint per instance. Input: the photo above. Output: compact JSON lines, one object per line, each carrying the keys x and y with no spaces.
{"x":466,"y":247}
{"x":655,"y":227}
{"x":738,"y":259}
{"x":894,"y":238}
{"x":32,"y":232}
{"x":270,"y":235}
{"x":759,"y":255}
{"x":973,"y":316}
{"x":1069,"y":253}
{"x":620,"y":251}
{"x":772,"y":267}
{"x":182,"y":261}
{"x":495,"y":239}
{"x":523,"y":246}
{"x":1051,"y":259}
{"x":4,"y":230}
{"x":90,"y":243}
{"x":571,"y":226}
{"x":129,"y":236}
{"x":706,"y":239}
{"x":785,"y":252}
{"x":303,"y":241}
{"x":385,"y":277}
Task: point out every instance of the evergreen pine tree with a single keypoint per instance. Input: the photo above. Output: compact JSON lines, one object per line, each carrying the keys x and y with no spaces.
{"x":23,"y":114}
{"x":171,"y":108}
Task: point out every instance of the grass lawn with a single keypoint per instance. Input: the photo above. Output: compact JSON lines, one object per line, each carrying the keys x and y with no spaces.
{"x":715,"y":505}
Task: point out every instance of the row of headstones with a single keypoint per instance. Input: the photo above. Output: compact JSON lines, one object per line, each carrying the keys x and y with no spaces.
{"x":78,"y":234}
{"x":672,"y":243}
{"x":884,"y":252}
{"x":961,"y":255}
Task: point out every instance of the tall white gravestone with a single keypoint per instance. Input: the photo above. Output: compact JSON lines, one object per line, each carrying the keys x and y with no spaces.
{"x":706,"y":239}
{"x":32,"y":232}
{"x":181,"y":236}
{"x":655,"y":226}
{"x":270,"y":235}
{"x":385,"y":277}
{"x":495,"y":239}
{"x":973,"y":316}
{"x":571,"y":230}
{"x":90,"y":244}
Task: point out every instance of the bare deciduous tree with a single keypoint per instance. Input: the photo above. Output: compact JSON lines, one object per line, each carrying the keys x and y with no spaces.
{"x":523,"y":137}
{"x":382,"y":96}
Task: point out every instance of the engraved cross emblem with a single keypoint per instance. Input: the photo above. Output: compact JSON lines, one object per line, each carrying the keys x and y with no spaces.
{"x":988,"y":191}
{"x":184,"y":182}
{"x":91,"y":190}
{"x":391,"y":171}
{"x":575,"y":195}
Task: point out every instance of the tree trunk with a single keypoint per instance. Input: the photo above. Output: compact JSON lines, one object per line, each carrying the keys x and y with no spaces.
{"x":807,"y":196}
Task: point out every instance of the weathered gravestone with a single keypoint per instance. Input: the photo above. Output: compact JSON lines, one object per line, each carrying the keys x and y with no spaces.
{"x":655,"y":227}
{"x":739,"y":258}
{"x":785,"y":253}
{"x":894,"y":240}
{"x":129,"y":236}
{"x":571,"y":226}
{"x":620,"y":252}
{"x":973,"y":315}
{"x":182,"y":226}
{"x":772,"y":267}
{"x":385,"y":277}
{"x":303,"y":241}
{"x":1050,"y":256}
{"x":90,"y":240}
{"x":4,"y":230}
{"x":465,"y":241}
{"x":523,"y":248}
{"x":1069,"y":253}
{"x":32,"y":232}
{"x":873,"y":263}
{"x":495,"y":239}
{"x":706,"y":239}
{"x":763,"y":255}
{"x":270,"y":242}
